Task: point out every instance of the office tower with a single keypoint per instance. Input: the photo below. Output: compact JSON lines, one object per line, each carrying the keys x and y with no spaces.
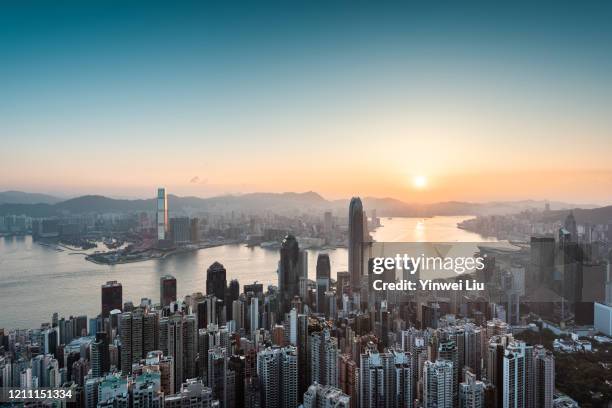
{"x":167,"y":290}
{"x":205,"y":308}
{"x":146,"y":391}
{"x":194,"y":230}
{"x":544,"y":377}
{"x":216,"y":281}
{"x":180,"y":230}
{"x":162,"y":214}
{"x":355,"y":245}
{"x":328,"y":224}
{"x":323,"y":280}
{"x":112,"y":297}
{"x":323,"y":358}
{"x":471,"y":392}
{"x":100,"y":363}
{"x":570,"y":227}
{"x":303,"y":264}
{"x":238,"y":314}
{"x":542,"y":263}
{"x":181,"y":346}
{"x":217,"y":372}
{"x":325,"y":396}
{"x":288,"y":273}
{"x":447,"y":350}
{"x":192,"y":394}
{"x":232,"y":294}
{"x":254,"y":315}
{"x":277,"y":369}
{"x":438,"y":384}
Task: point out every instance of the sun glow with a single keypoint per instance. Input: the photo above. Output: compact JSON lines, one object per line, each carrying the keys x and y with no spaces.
{"x":419,"y":182}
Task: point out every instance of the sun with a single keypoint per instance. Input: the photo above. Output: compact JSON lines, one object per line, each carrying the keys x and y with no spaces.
{"x":419,"y":182}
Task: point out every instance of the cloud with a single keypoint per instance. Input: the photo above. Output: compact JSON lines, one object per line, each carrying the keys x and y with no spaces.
{"x":198,"y":180}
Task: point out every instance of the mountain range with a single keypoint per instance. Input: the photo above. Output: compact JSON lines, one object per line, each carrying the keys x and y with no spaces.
{"x":40,"y":205}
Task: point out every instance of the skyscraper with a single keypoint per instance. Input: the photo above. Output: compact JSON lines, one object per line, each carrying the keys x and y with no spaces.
{"x":324,"y":358}
{"x":323,"y":280}
{"x":180,"y":341}
{"x":112,"y":297}
{"x":288,"y":273}
{"x":471,"y":392}
{"x":544,"y":370}
{"x":542,"y":260}
{"x":570,"y":226}
{"x":355,"y":245}
{"x":438,"y":384}
{"x":162,"y":214}
{"x":180,"y":230}
{"x":232,"y":294}
{"x":277,"y":369}
{"x":447,"y":350}
{"x":217,"y":373}
{"x":99,"y":355}
{"x":167,"y":290}
{"x":514,"y":391}
{"x":131,"y":339}
{"x":385,"y":379}
{"x":216,"y":281}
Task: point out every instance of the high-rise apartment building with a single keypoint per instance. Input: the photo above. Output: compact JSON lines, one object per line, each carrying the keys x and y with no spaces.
{"x":544,"y":377}
{"x":325,"y":396}
{"x":277,"y":369}
{"x":323,"y":358}
{"x":438,"y":384}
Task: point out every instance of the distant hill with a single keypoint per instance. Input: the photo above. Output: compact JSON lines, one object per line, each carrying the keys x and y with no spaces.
{"x":601,"y":215}
{"x":19,"y":197}
{"x":280,"y":203}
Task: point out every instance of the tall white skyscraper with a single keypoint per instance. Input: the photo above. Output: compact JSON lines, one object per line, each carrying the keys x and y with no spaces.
{"x":162,"y":214}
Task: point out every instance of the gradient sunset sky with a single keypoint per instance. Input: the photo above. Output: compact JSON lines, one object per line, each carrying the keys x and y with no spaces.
{"x":484,"y":102}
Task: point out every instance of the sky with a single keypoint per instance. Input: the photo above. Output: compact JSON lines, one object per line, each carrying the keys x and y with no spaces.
{"x":424,"y":103}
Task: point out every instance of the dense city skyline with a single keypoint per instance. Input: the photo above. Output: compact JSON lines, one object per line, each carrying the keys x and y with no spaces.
{"x":305,"y":205}
{"x":486,"y":102}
